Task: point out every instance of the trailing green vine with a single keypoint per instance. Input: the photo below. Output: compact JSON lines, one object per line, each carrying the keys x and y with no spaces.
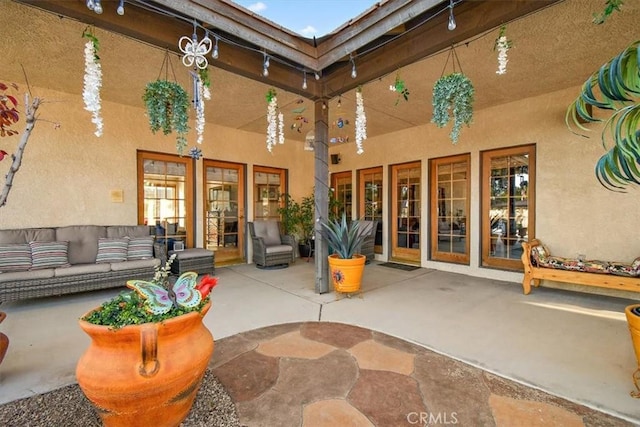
{"x":453,"y":92}
{"x":167,"y":107}
{"x":610,"y":7}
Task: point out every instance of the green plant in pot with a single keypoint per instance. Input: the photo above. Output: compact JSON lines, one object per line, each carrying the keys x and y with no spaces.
{"x":298,"y":219}
{"x":149,"y":350}
{"x":167,"y":108}
{"x":346,"y":264}
{"x":453,"y":92}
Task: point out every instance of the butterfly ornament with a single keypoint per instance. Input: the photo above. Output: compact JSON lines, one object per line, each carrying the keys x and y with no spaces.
{"x":159,"y":300}
{"x":194,"y":51}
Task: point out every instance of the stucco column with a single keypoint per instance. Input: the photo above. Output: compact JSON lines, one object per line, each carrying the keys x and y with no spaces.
{"x":321,"y":192}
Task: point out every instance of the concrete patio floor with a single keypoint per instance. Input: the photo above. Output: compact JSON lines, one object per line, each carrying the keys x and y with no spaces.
{"x":572,"y":345}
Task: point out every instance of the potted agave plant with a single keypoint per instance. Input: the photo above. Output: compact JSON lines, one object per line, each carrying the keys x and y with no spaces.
{"x":345,"y":263}
{"x":149,"y":350}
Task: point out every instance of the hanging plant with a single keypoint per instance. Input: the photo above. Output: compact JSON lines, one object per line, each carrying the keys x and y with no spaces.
{"x":618,"y":84}
{"x":275,"y":121}
{"x":610,"y":7}
{"x":361,"y":121}
{"x":399,"y":87}
{"x":167,"y":107}
{"x":92,"y":79}
{"x":502,"y":45}
{"x":453,"y":91}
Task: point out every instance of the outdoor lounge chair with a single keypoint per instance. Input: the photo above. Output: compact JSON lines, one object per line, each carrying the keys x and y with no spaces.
{"x":270,"y":246}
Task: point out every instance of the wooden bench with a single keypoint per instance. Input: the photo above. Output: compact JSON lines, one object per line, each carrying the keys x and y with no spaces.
{"x":534,"y":274}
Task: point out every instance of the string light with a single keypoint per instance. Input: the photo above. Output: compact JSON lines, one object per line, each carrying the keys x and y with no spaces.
{"x":354,"y":73}
{"x":317,"y":75}
{"x":452,"y":20}
{"x":304,"y":81}
{"x":339,"y":101}
{"x":265,"y":69}
{"x":120,"y":9}
{"x":214,"y":54}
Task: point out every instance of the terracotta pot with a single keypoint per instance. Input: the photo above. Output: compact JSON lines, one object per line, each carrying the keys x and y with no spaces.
{"x":346,"y":274}
{"x":632,"y":312}
{"x":145,"y":375}
{"x":4,"y":340}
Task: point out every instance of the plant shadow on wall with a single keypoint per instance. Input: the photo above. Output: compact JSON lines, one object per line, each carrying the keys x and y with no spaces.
{"x":615,"y":87}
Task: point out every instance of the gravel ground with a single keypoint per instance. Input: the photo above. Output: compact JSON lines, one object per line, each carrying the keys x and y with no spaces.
{"x":67,"y":406}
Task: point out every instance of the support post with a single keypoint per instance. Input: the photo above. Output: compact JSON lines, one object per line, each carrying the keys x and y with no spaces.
{"x":321,"y":192}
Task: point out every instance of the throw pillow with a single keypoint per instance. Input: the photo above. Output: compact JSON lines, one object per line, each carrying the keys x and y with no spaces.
{"x":112,"y":250}
{"x":15,"y":257}
{"x":49,"y":254}
{"x":140,"y":248}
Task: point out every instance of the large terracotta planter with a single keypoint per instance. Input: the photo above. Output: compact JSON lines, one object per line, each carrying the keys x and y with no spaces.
{"x":145,"y":375}
{"x":632,"y":313}
{"x":346,"y":274}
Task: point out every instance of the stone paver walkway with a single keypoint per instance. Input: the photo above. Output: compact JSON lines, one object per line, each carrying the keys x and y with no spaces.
{"x":317,"y":374}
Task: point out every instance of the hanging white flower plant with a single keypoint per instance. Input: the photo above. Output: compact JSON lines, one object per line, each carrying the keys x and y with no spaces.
{"x":92,"y":80}
{"x":204,"y":93}
{"x":502,"y":45}
{"x":361,"y":121}
{"x":275,"y":121}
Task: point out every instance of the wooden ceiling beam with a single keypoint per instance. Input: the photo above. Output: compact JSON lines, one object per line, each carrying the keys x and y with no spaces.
{"x":373,"y":25}
{"x":472,"y":18}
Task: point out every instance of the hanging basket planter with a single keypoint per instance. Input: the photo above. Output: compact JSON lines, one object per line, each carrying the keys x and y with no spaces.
{"x":167,"y":108}
{"x":453,"y":92}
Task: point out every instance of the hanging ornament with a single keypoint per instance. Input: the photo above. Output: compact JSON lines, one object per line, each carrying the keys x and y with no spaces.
{"x":399,"y":87}
{"x":361,"y":121}
{"x":92,"y":80}
{"x":195,"y":153}
{"x":194,"y":51}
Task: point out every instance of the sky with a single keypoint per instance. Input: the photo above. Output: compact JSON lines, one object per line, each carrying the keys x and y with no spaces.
{"x":308,"y":18}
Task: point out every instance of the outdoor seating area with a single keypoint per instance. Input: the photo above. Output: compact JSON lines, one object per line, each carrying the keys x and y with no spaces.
{"x":261,"y":353}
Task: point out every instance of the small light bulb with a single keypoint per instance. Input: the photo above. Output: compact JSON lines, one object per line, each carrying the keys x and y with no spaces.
{"x":215,"y":53}
{"x":304,"y":82}
{"x":266,"y":62}
{"x":317,"y":76}
{"x":265,"y":72}
{"x":354,"y":74}
{"x":120,"y":10}
{"x":90,"y":5}
{"x":452,"y":20}
{"x":98,"y":9}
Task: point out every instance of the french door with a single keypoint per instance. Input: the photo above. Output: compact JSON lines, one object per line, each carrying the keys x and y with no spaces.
{"x":405,"y":212}
{"x":224,"y":215}
{"x":370,"y":200}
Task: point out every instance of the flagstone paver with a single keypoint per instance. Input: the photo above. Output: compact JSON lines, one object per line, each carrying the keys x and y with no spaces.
{"x":317,"y":374}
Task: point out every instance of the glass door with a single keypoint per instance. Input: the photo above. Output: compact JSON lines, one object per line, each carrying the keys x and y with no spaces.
{"x":405,"y":212}
{"x":224,"y":210}
{"x":341,"y":187}
{"x":370,"y":199}
{"x":269,"y":185}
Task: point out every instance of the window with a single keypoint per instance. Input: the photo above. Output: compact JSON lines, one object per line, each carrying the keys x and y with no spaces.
{"x":165,"y":196}
{"x":341,"y":187}
{"x":508,"y":201}
{"x":370,"y":199}
{"x":449,"y":206}
{"x":269,"y":184}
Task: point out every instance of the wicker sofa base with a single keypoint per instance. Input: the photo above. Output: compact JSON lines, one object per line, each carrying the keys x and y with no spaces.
{"x":54,"y":286}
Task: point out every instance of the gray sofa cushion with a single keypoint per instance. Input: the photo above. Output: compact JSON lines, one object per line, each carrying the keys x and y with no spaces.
{"x":14,"y":276}
{"x":26,"y":235}
{"x":78,"y":269}
{"x":114,"y":231}
{"x":83,"y":241}
{"x":132,"y":265}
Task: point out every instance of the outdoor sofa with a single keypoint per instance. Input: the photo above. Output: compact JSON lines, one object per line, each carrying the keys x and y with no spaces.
{"x":40,"y":262}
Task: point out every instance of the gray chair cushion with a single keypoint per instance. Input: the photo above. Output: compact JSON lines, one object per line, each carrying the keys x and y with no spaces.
{"x":269,"y":231}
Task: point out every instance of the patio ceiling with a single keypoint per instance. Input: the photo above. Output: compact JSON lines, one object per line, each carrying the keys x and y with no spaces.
{"x":409,"y":37}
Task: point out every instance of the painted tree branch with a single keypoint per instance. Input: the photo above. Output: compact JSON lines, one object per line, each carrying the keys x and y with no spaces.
{"x":30,"y":119}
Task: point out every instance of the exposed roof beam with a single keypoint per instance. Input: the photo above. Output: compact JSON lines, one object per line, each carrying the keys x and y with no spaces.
{"x":370,"y":27}
{"x":472,"y":17}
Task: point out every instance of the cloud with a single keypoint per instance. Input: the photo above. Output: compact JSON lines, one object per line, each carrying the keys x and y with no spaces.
{"x":257,"y":7}
{"x":309,"y":30}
